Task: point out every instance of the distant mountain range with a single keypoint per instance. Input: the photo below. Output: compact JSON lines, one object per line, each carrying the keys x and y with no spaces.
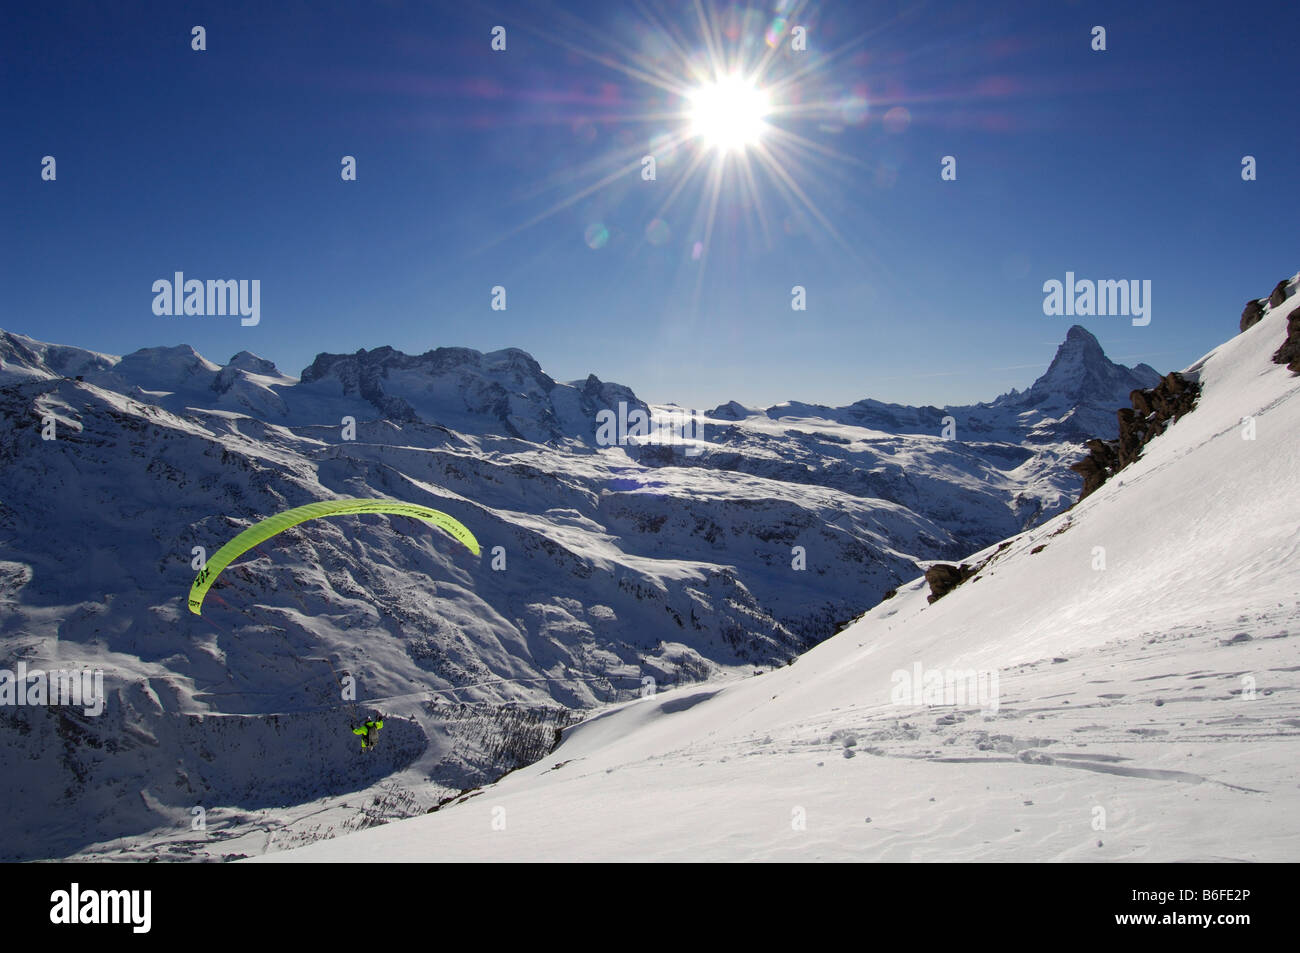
{"x":507,"y":393}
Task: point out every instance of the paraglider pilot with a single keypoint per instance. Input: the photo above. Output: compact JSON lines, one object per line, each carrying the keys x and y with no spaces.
{"x":369,"y":731}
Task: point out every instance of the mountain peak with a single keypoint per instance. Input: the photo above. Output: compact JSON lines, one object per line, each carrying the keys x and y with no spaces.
{"x":248,"y":361}
{"x":1079,"y":336}
{"x":1079,"y":365}
{"x":1080,"y":351}
{"x":1084,"y":384}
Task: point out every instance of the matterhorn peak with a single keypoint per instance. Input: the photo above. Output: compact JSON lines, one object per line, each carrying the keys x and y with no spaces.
{"x":1081,"y":369}
{"x":1080,"y":337}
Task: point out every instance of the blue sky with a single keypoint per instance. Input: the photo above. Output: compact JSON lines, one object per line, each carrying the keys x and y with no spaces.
{"x":477,"y":168}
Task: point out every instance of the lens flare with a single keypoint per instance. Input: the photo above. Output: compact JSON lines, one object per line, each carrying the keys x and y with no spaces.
{"x":657,"y":232}
{"x":774,"y":32}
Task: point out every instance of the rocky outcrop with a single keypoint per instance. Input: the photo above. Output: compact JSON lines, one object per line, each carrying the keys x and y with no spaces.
{"x":1279,"y":294}
{"x":1289,"y":352}
{"x":1251,"y":314}
{"x":944,"y":578}
{"x":1152,"y":411}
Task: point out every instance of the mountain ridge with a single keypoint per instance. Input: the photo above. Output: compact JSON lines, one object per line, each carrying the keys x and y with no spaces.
{"x":1078,"y":372}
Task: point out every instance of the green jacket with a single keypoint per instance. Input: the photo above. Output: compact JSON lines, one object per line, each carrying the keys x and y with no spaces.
{"x":368,"y":727}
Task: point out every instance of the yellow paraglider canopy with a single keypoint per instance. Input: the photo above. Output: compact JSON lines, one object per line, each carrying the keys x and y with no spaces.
{"x":260,"y":532}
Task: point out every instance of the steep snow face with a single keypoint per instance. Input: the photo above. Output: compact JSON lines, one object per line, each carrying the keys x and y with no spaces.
{"x":1146,"y":708}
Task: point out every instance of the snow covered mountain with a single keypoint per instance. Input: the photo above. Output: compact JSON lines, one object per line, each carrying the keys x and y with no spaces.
{"x":603,"y":566}
{"x":1119,"y":683}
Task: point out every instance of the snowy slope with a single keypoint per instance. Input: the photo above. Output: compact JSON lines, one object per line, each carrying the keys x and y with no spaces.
{"x":1147,"y":710}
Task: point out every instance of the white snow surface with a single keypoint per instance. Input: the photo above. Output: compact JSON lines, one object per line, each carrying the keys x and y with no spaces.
{"x":1148,"y":710}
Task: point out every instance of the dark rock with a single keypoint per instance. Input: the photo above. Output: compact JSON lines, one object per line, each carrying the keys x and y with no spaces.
{"x":1278,"y":296}
{"x":1094,"y":474}
{"x":1104,"y":452}
{"x":944,"y":578}
{"x":1289,"y":352}
{"x":1251,"y":314}
{"x":1152,"y":411}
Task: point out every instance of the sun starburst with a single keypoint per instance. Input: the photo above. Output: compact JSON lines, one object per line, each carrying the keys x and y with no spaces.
{"x":721,"y":96}
{"x":729,"y":113}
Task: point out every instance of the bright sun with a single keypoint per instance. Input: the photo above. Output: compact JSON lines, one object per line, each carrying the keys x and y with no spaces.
{"x":728,"y":114}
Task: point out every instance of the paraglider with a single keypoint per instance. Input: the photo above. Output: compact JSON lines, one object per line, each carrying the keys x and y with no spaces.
{"x":260,"y":532}
{"x":368,"y":728}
